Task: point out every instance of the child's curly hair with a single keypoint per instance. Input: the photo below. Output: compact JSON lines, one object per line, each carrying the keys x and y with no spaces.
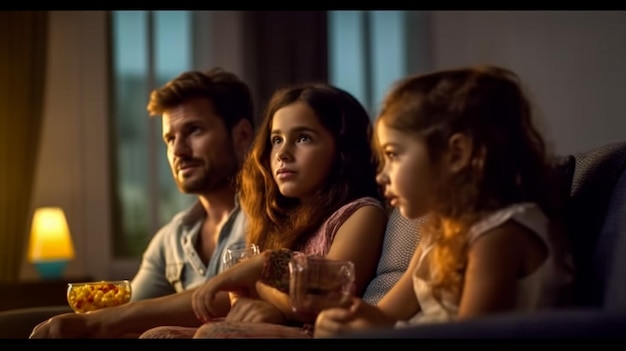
{"x":508,"y":163}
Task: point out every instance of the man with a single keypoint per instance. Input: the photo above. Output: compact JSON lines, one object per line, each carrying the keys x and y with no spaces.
{"x":207,"y":126}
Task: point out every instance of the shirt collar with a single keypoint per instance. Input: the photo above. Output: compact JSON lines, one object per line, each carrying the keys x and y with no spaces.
{"x":196,"y":212}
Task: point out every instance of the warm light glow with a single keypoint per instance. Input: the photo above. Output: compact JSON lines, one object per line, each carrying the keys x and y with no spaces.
{"x":50,"y":236}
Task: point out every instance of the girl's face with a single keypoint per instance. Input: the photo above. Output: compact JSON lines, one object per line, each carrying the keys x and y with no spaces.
{"x":302,"y":151}
{"x":408,"y":176}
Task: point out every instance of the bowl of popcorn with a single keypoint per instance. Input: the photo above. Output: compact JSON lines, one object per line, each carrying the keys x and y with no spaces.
{"x":91,"y":296}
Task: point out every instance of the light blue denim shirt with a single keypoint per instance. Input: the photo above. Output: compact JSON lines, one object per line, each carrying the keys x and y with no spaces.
{"x":171,"y":263}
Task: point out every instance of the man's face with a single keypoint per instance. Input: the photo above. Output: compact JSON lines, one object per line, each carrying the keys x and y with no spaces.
{"x":200,"y":150}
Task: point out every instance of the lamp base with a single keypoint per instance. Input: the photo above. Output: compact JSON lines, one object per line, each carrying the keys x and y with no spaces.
{"x":52,"y":269}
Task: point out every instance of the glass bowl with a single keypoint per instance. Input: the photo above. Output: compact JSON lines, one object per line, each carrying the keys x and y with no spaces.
{"x":90,"y":296}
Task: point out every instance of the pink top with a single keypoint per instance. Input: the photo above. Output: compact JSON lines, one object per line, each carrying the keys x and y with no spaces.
{"x":319,"y":243}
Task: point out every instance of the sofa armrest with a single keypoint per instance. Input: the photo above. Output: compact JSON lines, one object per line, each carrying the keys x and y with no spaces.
{"x":19,"y":323}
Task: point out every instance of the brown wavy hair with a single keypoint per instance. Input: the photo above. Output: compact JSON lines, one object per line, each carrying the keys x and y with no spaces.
{"x":230,"y":96}
{"x":276,"y":221}
{"x":508,"y":163}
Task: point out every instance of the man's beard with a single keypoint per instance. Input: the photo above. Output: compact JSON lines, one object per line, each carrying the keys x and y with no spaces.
{"x":210,"y":180}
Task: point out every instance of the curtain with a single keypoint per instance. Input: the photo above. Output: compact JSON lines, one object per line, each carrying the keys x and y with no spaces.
{"x":23,"y":49}
{"x":283,"y":47}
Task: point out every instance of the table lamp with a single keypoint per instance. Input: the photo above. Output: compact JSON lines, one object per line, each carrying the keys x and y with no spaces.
{"x":50,"y":247}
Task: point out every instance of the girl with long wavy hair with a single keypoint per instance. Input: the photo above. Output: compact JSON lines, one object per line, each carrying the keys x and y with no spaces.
{"x":459,"y":146}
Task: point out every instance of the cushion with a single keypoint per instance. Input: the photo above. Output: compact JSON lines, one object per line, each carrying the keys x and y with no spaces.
{"x":19,"y":322}
{"x":401,"y":239}
{"x":595,"y":176}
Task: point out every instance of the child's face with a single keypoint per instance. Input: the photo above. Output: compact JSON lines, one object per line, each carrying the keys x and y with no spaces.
{"x":302,"y":151}
{"x":408,"y":175}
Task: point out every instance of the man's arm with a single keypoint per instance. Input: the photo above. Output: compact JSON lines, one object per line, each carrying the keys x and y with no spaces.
{"x":126,"y":320}
{"x":150,"y":280}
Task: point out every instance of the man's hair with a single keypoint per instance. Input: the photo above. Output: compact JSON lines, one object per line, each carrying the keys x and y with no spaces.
{"x":230,"y":96}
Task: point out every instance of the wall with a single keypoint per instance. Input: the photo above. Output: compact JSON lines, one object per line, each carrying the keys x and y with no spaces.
{"x":72,"y":168}
{"x":571,"y":63}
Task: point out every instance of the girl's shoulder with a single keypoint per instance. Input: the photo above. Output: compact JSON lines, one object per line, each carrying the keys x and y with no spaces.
{"x":320,"y":242}
{"x":360,"y":202}
{"x":344,"y":212}
{"x":528,"y":214}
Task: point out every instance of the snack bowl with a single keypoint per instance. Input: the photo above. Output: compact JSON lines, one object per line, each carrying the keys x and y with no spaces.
{"x":90,"y":296}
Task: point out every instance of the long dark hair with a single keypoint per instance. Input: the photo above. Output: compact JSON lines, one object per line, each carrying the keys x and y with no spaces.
{"x":276,"y":221}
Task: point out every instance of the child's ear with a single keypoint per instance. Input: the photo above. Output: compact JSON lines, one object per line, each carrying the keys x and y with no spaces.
{"x":459,"y":151}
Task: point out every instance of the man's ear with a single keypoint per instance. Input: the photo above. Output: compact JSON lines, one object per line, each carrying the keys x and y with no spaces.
{"x":242,"y":136}
{"x":459,"y":152}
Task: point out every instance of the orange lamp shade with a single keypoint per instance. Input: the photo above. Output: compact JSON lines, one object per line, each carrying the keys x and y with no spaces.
{"x":50,"y":238}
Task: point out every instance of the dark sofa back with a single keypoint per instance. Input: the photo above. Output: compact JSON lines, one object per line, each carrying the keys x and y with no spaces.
{"x":595,"y":215}
{"x":609,"y":261}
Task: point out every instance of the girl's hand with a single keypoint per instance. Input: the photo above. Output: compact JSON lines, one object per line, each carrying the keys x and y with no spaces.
{"x":254,"y":310}
{"x":359,"y":315}
{"x":239,"y":279}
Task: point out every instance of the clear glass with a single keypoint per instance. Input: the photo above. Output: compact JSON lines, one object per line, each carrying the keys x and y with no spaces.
{"x":90,"y":296}
{"x":234,"y":255}
{"x":317,"y":283}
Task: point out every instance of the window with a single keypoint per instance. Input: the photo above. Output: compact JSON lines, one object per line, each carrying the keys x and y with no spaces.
{"x":149,"y":48}
{"x":367,"y":51}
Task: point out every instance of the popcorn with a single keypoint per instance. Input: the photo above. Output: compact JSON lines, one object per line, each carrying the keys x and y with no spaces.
{"x":85,"y":297}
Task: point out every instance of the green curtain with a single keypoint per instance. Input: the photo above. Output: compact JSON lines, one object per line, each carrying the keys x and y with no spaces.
{"x":23,"y":51}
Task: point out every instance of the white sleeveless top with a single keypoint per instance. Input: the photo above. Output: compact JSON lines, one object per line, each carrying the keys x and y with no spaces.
{"x":538,"y":290}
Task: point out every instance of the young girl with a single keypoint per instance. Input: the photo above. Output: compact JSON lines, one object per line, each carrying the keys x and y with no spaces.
{"x":460,"y":147}
{"x":308,"y":185}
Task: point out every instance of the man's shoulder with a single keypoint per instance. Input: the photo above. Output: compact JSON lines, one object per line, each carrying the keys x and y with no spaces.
{"x":235,"y":228}
{"x":193,"y":213}
{"x":187,"y":217}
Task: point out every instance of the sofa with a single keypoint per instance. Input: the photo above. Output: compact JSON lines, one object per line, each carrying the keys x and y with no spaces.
{"x":18,"y":323}
{"x":593,"y":189}
{"x":595,"y":214}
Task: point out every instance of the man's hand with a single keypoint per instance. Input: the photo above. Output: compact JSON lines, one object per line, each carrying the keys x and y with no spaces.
{"x":67,"y":325}
{"x":240,"y":279}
